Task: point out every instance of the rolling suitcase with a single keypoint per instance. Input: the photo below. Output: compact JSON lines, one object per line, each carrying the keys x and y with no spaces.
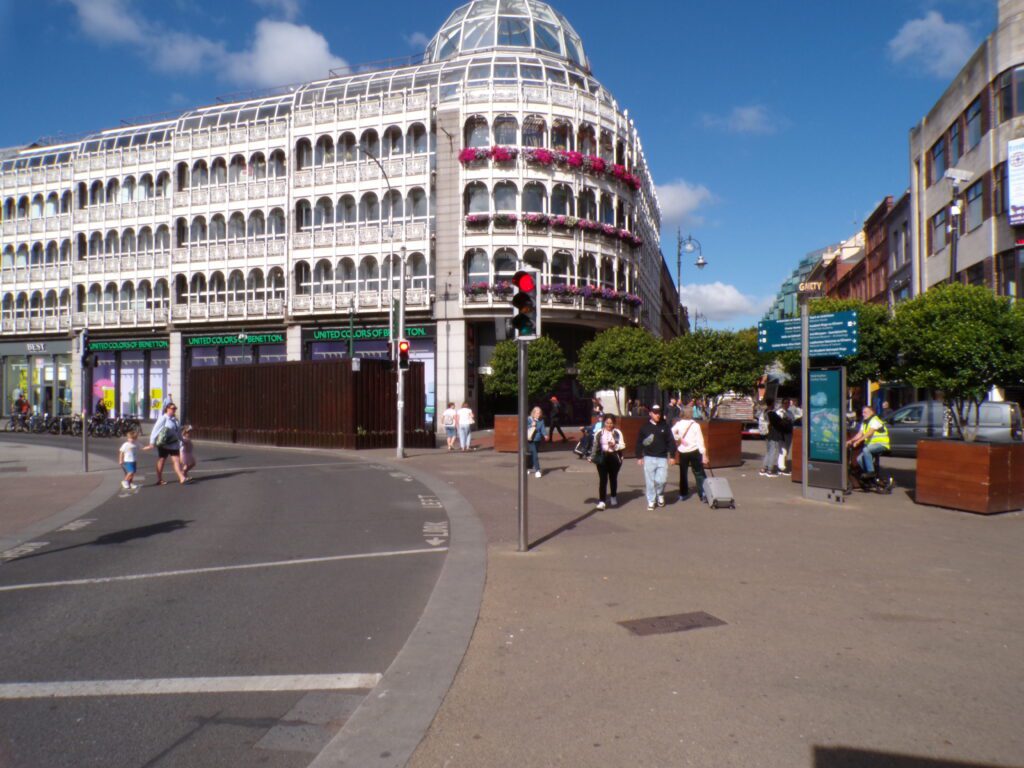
{"x":717,"y":492}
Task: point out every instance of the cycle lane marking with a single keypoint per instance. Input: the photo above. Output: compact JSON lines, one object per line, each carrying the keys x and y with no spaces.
{"x":213,"y":569}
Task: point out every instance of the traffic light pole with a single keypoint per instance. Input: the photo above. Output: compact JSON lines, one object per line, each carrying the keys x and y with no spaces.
{"x":524,"y":544}
{"x":400,"y":452}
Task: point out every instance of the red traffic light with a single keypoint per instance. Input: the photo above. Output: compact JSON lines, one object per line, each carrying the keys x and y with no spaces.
{"x":403,"y":346}
{"x":524,"y":281}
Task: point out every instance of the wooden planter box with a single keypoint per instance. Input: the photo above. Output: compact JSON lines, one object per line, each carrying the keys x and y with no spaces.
{"x":985,"y":478}
{"x":724,"y":442}
{"x":506,"y":436}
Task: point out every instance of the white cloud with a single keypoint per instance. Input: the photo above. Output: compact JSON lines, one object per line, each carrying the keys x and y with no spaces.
{"x":720,"y":302}
{"x":681,"y":202}
{"x":754,"y":119}
{"x":287,"y":8}
{"x":281,"y":52}
{"x":937,"y":46}
{"x":417,"y":40}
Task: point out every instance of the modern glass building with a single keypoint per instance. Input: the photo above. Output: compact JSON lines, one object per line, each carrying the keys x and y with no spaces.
{"x":273,"y":229}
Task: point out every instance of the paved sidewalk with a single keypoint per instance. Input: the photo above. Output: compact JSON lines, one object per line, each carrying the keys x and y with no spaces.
{"x":851,"y":633}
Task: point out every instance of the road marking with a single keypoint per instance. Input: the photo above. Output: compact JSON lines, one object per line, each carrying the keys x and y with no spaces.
{"x":189,"y":685}
{"x":221,"y":469}
{"x":435,"y":534}
{"x":76,"y":525}
{"x":214,"y":569}
{"x":25,"y":549}
{"x":430,"y":502}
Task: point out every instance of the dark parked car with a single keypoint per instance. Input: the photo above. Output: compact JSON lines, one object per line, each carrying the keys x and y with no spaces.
{"x":998,"y":423}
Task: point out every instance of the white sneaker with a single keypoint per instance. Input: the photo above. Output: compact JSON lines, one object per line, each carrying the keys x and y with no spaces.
{"x":132,"y":487}
{"x":600,"y":505}
{"x":650,"y":507}
{"x":614,"y":501}
{"x":124,"y":484}
{"x":661,"y":501}
{"x":537,"y":473}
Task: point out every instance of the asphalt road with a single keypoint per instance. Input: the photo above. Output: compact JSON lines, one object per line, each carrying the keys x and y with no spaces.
{"x":254,"y":575}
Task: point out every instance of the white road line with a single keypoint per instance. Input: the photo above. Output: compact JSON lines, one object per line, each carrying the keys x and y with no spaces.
{"x":193,"y":685}
{"x":223,"y":469}
{"x":216,"y":569}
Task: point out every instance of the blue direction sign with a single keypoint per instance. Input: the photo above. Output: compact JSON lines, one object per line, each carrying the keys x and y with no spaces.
{"x":833,"y":335}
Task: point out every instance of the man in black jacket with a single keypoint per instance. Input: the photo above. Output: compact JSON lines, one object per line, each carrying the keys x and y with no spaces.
{"x":654,"y":443}
{"x":778,"y":428}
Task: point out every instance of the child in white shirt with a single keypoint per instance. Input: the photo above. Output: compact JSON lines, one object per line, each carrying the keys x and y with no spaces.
{"x":126,"y":458}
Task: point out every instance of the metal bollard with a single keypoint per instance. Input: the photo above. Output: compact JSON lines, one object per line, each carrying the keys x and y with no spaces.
{"x":85,"y":443}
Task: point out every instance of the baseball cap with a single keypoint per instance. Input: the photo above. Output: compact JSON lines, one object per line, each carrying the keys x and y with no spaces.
{"x":656,"y":407}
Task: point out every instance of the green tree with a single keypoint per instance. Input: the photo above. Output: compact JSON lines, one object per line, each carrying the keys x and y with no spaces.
{"x":877,"y":350}
{"x":709,"y":364}
{"x":619,"y":357}
{"x":544,"y":371}
{"x":961,"y":339}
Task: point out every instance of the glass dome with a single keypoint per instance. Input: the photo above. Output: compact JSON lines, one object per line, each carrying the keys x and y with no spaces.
{"x":484,"y":24}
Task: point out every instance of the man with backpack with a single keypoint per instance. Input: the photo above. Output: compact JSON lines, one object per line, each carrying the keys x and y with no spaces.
{"x":774,"y":427}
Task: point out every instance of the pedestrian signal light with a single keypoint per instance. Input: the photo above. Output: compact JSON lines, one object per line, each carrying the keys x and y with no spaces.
{"x":403,"y":354}
{"x":526,"y":305}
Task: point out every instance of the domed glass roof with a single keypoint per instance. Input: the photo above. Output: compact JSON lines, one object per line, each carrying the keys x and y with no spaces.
{"x":507,"y":24}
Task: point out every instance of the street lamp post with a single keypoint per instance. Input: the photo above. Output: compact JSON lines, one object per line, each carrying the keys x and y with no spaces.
{"x":956,"y":178}
{"x":690,"y":245}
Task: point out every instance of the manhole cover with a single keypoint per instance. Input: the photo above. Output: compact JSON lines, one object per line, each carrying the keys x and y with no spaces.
{"x":663,"y":625}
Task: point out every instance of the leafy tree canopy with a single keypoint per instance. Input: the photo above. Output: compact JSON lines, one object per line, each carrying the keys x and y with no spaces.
{"x":710,"y":363}
{"x":620,"y":357}
{"x":544,"y":371}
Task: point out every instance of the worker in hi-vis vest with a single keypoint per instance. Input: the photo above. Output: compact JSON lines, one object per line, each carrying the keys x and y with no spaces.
{"x":875,"y":436}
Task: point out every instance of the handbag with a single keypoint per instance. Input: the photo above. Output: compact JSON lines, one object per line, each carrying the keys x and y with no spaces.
{"x":163,"y":437}
{"x":530,"y":433}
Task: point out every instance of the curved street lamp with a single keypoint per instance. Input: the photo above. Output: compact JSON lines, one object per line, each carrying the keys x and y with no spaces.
{"x":690,"y":245}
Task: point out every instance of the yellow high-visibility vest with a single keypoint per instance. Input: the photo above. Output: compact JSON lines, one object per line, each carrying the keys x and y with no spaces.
{"x":880,"y":436}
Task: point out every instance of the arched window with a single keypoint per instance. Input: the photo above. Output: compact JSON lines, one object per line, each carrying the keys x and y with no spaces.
{"x":561,"y":268}
{"x":607,"y":147}
{"x":476,"y":133}
{"x":562,"y":135}
{"x":588,"y":270}
{"x":236,"y":226}
{"x":302,"y":278}
{"x":180,"y":290}
{"x":36,"y":259}
{"x":346,"y":213}
{"x":218,"y":288}
{"x":161,"y":294}
{"x":144,"y":296}
{"x":535,"y":198}
{"x":476,"y":199}
{"x":347,"y":147}
{"x":588,"y":205}
{"x":323,"y":277}
{"x":303,"y":215}
{"x":163,"y":238}
{"x":506,"y":262}
{"x":277,"y":166}
{"x":390,"y":273}
{"x":393,"y":143}
{"x":219,"y":171}
{"x":128,"y":189}
{"x":275,"y":222}
{"x":369,"y":275}
{"x":416,"y":204}
{"x":254,"y":286}
{"x":9,"y":208}
{"x":51,"y":253}
{"x":324,"y":151}
{"x":392,"y":205}
{"x":258,"y":166}
{"x":65,"y":251}
{"x":7,"y":307}
{"x":323,"y":213}
{"x":236,"y":171}
{"x":66,"y":201}
{"x":416,"y":139}
{"x":36,"y":210}
{"x":127,"y":297}
{"x":476,"y":267}
{"x":64,"y":302}
{"x":257,"y":224}
{"x":620,"y":152}
{"x":303,"y":154}
{"x":95,"y":300}
{"x":369,"y":208}
{"x":506,"y":197}
{"x":7,"y":260}
{"x":52,"y":206}
{"x":197,"y":289}
{"x":607,"y":273}
{"x":82,"y":246}
{"x":369,"y":142}
{"x":112,"y":243}
{"x":145,"y":241}
{"x":346,"y":276}
{"x":145,"y":189}
{"x":21,"y":259}
{"x":275,"y":283}
{"x":163,"y":185}
{"x":96,"y":195}
{"x":236,"y":285}
{"x":81,"y":299}
{"x":96,"y":244}
{"x":35,"y":305}
{"x":23,"y":202}
{"x":129,"y":244}
{"x":113,"y":191}
{"x":182,"y":175}
{"x":506,"y":130}
{"x":607,"y":209}
{"x":535,"y":131}
{"x":198,"y":232}
{"x":21,"y":306}
{"x":110,"y":293}
{"x":587,"y":139}
{"x":417,"y":271}
{"x":200,"y":174}
{"x":537,"y":259}
{"x":218,"y":228}
{"x":563,"y":202}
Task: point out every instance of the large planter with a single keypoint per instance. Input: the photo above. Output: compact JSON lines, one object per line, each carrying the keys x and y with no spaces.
{"x":506,"y":434}
{"x":985,"y":478}
{"x":724,"y":442}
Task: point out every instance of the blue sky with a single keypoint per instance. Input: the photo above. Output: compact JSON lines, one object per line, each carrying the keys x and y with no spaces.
{"x":772,"y":128}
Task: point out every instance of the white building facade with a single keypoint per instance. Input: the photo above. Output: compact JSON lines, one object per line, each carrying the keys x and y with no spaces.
{"x":273,"y":229}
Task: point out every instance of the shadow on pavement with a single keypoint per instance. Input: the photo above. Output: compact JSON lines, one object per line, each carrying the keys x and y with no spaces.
{"x":116,"y":537}
{"x":196,"y":479}
{"x":562,"y":529}
{"x":849,"y":757}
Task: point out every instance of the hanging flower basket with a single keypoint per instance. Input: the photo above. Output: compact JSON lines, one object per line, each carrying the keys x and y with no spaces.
{"x":474,"y":155}
{"x":539,"y":156}
{"x":632,"y":300}
{"x":504,"y":154}
{"x":477,"y":289}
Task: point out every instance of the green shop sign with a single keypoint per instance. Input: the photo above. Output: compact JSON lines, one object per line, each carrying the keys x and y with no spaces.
{"x":128,"y":345}
{"x":364,"y":334}
{"x":231,"y":339}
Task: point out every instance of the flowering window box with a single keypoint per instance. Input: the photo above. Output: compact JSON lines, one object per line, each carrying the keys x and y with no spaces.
{"x":536,"y":220}
{"x":504,"y":154}
{"x":505,"y":219}
{"x":478,"y":220}
{"x":472,"y":155}
{"x":475,"y":291}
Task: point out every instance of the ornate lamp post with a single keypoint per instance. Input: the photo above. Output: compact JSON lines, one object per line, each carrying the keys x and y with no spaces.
{"x":690,"y":245}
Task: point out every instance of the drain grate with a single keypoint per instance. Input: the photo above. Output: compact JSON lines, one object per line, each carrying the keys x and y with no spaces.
{"x":680,"y":622}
